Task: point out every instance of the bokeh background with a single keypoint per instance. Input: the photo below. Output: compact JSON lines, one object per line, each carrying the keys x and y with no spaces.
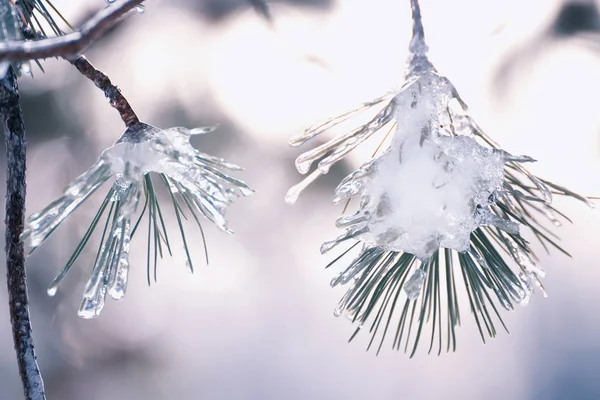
{"x":257,"y":323}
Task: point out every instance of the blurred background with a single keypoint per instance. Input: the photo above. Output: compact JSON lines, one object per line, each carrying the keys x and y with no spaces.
{"x":257,"y":323}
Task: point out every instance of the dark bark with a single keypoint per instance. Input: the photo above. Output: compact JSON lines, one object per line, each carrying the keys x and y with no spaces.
{"x":14,"y":137}
{"x":112,"y":93}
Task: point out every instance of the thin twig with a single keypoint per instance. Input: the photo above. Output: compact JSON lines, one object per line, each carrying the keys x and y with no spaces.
{"x":418,"y":38}
{"x":14,"y":137}
{"x":113,"y":93}
{"x":72,"y":43}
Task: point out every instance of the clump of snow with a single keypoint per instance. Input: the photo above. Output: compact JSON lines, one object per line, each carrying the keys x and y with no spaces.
{"x":432,"y":187}
{"x":430,"y":194}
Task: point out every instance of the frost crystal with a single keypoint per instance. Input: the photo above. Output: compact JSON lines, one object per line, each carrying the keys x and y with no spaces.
{"x":195,"y":182}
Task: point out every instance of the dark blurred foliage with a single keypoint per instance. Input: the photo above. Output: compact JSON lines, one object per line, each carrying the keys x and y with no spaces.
{"x":216,"y":10}
{"x":573,"y":20}
{"x":576,"y":18}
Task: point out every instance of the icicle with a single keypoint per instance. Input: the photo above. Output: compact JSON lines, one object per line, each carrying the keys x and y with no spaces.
{"x":350,"y":233}
{"x":341,"y":305}
{"x":346,"y":220}
{"x":292,"y":195}
{"x":117,"y":289}
{"x":39,"y":226}
{"x":355,"y":269}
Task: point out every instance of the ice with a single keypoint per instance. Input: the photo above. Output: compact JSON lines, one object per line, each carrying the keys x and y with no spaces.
{"x":292,"y":195}
{"x":194,"y":176}
{"x":433,"y":185}
{"x":110,"y":272}
{"x":341,"y":306}
{"x":39,"y":226}
{"x":316,"y":130}
{"x":530,"y":271}
{"x":25,"y":68}
{"x":414,"y":284}
{"x":429,"y":189}
{"x":352,"y":272}
{"x":351,"y":232}
{"x":119,"y":285}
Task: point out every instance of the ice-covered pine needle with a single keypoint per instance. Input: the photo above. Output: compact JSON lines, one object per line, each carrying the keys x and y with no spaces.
{"x":442,"y":203}
{"x":196,"y":184}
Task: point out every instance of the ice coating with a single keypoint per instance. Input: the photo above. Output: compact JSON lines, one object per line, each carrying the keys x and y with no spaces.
{"x":414,"y":284}
{"x":40,"y":225}
{"x":143,"y":149}
{"x":194,"y":176}
{"x":432,"y":187}
{"x":110,"y":271}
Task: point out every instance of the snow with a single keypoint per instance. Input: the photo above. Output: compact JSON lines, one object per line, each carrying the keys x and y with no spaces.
{"x":432,"y":187}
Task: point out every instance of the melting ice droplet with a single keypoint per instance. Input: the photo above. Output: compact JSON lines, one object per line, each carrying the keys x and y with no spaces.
{"x":52,"y":291}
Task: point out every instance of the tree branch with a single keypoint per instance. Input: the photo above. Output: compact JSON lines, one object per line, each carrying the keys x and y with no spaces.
{"x":14,"y":137}
{"x":72,"y":43}
{"x":113,"y":93}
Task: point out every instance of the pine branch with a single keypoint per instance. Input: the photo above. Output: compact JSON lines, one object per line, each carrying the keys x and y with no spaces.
{"x":14,"y":137}
{"x":113,"y":93}
{"x":406,"y":276}
{"x":72,"y":43}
